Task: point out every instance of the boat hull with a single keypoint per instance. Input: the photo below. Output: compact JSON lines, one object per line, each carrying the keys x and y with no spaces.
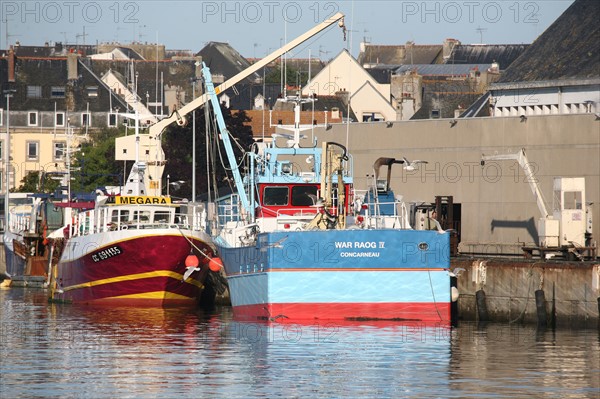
{"x":131,"y":267}
{"x":344,"y":275}
{"x":15,"y":263}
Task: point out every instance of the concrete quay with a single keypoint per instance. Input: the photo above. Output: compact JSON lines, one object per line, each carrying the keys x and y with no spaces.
{"x":528,"y":291}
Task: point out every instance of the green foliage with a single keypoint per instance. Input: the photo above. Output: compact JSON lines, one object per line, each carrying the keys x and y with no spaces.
{"x":32,"y":183}
{"x":94,"y":164}
{"x":294,"y":77}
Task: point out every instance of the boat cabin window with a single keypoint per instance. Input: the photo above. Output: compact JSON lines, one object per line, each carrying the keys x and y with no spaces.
{"x":120,"y":215}
{"x":304,"y":195}
{"x":573,"y":200}
{"x":141,"y":216}
{"x":161,"y":217}
{"x":275,"y":196}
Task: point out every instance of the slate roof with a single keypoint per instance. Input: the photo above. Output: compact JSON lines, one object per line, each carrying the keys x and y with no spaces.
{"x":567,"y":49}
{"x":48,"y":72}
{"x":382,"y":73}
{"x":247,"y":92}
{"x":57,"y":50}
{"x":442,"y":69}
{"x":223,"y":59}
{"x":503,"y":54}
{"x":399,"y":54}
{"x":130,"y":53}
{"x":478,"y":108}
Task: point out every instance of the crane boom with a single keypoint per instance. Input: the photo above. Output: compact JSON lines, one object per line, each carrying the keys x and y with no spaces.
{"x":523,"y":162}
{"x":155,"y":153}
{"x":157,"y":128}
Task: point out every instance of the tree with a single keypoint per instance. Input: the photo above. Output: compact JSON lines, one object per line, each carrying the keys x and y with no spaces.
{"x":178,"y":151}
{"x":94,"y":164}
{"x":293,"y":76}
{"x":33,"y":182}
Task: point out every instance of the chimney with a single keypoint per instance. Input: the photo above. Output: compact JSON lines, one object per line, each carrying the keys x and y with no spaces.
{"x":72,"y":66}
{"x":11,"y":65}
{"x":448,"y":47}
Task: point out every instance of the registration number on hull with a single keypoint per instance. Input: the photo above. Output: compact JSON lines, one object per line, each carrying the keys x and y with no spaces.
{"x":107,"y":253}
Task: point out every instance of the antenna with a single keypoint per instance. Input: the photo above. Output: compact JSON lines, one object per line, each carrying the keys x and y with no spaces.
{"x":5,"y":20}
{"x":83,"y":35}
{"x":140,"y":34}
{"x":322,"y":51}
{"x":351,"y":36}
{"x":366,"y":39}
{"x":481,"y":30}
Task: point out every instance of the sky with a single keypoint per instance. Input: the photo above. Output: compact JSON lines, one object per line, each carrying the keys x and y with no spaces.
{"x":256,"y":28}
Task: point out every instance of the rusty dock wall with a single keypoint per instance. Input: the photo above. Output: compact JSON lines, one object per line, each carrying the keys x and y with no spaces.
{"x":542,"y":292}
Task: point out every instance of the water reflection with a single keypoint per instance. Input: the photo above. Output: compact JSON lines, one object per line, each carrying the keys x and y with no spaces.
{"x":505,"y":360}
{"x":50,"y":350}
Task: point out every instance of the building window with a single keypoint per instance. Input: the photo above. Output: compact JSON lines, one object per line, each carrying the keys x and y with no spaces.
{"x":1,"y":150}
{"x":34,"y":91}
{"x":59,"y":119}
{"x":92,"y":91}
{"x":33,"y":152}
{"x":86,"y":119}
{"x":112,"y":120}
{"x":32,"y":118}
{"x":59,"y":150}
{"x":57,"y":92}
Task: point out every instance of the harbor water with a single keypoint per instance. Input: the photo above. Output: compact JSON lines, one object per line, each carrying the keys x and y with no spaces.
{"x":68,"y":351}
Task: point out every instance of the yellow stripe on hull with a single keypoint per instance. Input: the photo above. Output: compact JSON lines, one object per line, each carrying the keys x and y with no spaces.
{"x":138,"y":276}
{"x":153,"y":295}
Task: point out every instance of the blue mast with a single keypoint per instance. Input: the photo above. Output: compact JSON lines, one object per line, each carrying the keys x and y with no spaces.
{"x":210,"y":91}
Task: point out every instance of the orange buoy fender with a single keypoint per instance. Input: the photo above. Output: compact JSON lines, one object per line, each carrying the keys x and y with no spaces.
{"x":191,"y":261}
{"x":215,"y":264}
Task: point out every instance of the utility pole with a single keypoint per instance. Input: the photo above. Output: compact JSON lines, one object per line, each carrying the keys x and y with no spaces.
{"x":8,"y":93}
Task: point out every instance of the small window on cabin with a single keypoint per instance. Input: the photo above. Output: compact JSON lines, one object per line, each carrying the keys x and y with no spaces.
{"x":304,"y":195}
{"x":123,"y":216}
{"x":161,"y":217}
{"x":277,"y":196}
{"x":141,"y":216}
{"x":573,"y":200}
